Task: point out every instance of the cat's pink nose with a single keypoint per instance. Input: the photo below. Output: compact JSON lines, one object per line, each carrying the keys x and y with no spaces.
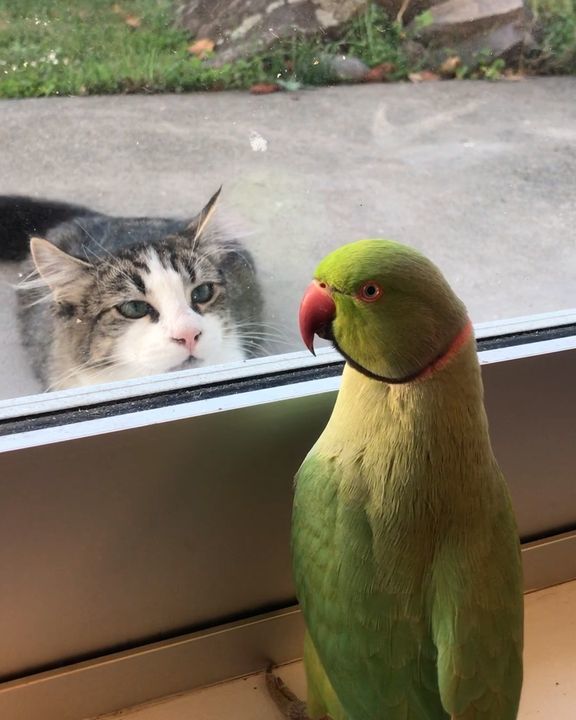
{"x":187,"y":336}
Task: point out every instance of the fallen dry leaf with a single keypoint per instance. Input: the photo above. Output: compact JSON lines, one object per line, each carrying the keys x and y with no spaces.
{"x":513,"y":75}
{"x":133,"y":21}
{"x":450,"y":65}
{"x":423,"y":76}
{"x":264,"y":88}
{"x":117,"y":9}
{"x":201,"y":47}
{"x":379,"y":73}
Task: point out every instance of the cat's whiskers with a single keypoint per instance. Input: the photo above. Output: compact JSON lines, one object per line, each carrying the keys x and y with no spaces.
{"x":267,"y":340}
{"x":257,"y":340}
{"x":204,"y":257}
{"x":112,"y":362}
{"x":146,"y":361}
{"x":34,"y":281}
{"x":269,"y":331}
{"x":96,"y":242}
{"x":257,"y":323}
{"x":227,"y":248}
{"x":81,"y":367}
{"x":259,"y":328}
{"x":263,"y":334}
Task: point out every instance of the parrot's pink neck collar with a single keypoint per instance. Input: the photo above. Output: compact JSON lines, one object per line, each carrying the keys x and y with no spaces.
{"x":424,"y":373}
{"x":455,"y":346}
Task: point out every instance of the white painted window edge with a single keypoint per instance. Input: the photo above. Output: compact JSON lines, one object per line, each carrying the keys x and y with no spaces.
{"x":234,"y":401}
{"x":20,"y":407}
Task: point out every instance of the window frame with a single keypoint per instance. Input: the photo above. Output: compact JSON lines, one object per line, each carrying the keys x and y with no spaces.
{"x":113,"y":678}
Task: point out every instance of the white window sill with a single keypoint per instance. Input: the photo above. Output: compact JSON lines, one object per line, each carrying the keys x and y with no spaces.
{"x":549,"y":685}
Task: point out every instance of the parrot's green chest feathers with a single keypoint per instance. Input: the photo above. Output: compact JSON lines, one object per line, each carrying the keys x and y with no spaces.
{"x":364,"y":594}
{"x":406,"y":560}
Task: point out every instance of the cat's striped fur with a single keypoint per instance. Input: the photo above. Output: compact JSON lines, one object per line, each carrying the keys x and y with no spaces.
{"x":116,"y":298}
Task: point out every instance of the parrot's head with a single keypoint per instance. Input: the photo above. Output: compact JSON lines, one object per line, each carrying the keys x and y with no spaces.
{"x":387,"y":309}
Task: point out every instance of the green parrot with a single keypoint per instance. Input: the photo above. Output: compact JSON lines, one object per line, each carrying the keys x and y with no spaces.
{"x":405,"y":550}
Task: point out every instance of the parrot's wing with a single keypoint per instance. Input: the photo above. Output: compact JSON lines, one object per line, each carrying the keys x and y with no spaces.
{"x":477,"y":622}
{"x":322,"y":701}
{"x":370,"y":655}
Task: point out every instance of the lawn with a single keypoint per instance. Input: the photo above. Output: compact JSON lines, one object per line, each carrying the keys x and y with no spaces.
{"x":79,"y":47}
{"x":51,"y":47}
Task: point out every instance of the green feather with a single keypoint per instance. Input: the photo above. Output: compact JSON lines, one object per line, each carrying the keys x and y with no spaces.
{"x":405,"y":550}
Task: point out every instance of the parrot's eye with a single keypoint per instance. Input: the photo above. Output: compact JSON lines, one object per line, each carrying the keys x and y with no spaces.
{"x":370,"y":291}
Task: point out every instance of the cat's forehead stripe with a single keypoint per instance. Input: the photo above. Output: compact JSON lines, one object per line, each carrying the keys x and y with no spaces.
{"x":140,"y":265}
{"x":178,"y":259}
{"x":121,"y":277}
{"x":164,"y":285}
{"x":138,"y":282}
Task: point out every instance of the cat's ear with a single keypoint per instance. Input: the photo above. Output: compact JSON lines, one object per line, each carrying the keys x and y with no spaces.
{"x":197,"y":226}
{"x":66,"y":275}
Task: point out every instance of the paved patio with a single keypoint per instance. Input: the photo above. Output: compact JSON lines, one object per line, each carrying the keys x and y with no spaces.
{"x":480,"y":176}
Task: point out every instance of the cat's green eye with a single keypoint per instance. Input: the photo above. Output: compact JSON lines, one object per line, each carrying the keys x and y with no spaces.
{"x":134,"y":309}
{"x":203,"y":293}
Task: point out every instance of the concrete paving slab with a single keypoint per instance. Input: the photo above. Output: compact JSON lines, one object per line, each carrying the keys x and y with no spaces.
{"x":480,"y":176}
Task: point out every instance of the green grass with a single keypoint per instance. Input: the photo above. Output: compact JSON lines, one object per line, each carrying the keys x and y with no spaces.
{"x":82,"y":46}
{"x":65,"y":47}
{"x":376,"y":39}
{"x":79,"y":47}
{"x":556,"y":52}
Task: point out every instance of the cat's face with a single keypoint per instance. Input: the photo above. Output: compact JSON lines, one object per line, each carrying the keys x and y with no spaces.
{"x":176,"y":313}
{"x":145,"y":310}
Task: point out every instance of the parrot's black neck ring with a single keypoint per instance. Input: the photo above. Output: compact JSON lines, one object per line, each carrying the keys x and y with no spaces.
{"x":439,"y":361}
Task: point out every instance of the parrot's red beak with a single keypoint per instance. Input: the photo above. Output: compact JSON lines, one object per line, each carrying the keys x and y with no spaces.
{"x":317,"y":310}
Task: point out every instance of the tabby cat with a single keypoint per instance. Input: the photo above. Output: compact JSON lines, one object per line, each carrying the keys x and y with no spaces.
{"x":113,"y":298}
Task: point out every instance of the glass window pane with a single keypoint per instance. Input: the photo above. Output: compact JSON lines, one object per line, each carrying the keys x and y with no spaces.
{"x":479,"y":175}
